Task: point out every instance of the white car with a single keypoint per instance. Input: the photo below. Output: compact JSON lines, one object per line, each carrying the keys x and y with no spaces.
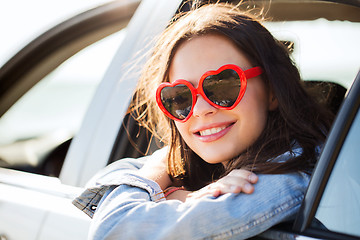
{"x":64,"y":99}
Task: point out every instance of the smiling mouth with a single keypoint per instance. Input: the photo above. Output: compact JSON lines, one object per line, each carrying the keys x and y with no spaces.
{"x":211,"y":131}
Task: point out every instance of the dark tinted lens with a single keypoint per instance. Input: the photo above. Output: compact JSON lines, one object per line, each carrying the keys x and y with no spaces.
{"x":177,"y":100}
{"x":223,"y":88}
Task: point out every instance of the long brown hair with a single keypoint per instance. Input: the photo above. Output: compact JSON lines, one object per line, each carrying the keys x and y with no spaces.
{"x":297,"y":120}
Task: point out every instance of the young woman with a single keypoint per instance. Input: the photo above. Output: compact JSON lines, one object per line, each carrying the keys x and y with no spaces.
{"x":231,"y":104}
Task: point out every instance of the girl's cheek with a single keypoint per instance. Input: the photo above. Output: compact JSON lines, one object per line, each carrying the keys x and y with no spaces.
{"x":182,"y":127}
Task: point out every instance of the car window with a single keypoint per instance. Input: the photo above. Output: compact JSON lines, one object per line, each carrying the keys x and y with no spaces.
{"x":339,"y":208}
{"x":51,"y":112}
{"x":337,"y":68}
{"x":323,"y":50}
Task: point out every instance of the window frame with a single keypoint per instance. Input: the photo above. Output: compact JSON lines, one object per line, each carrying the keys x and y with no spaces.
{"x":31,"y":64}
{"x":324,"y":167}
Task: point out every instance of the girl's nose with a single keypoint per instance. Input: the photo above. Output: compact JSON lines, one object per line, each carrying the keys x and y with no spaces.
{"x":203,"y":108}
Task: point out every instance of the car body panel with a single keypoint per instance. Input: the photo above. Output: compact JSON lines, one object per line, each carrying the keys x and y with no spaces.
{"x":38,"y":204}
{"x":91,"y":149}
{"x":33,"y":206}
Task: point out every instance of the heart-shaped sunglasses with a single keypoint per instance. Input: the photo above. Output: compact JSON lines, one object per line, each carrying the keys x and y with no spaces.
{"x":222,"y":88}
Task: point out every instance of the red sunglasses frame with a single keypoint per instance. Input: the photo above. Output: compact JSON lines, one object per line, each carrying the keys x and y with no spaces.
{"x":243,"y":76}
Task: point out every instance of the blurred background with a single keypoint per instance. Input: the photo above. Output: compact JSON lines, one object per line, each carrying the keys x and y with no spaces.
{"x":21,"y":20}
{"x":53,"y":108}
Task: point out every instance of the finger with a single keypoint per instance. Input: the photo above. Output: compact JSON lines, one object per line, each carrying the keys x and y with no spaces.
{"x":216,"y":193}
{"x":248,"y":188}
{"x":234,"y":181}
{"x":237,"y":186}
{"x":230,"y":189}
{"x":245,"y":188}
{"x":204,"y":192}
{"x":245,"y":174}
{"x":253,"y":178}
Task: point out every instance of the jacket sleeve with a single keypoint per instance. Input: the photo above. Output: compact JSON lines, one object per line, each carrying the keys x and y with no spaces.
{"x":132,"y":210}
{"x":108,"y":177}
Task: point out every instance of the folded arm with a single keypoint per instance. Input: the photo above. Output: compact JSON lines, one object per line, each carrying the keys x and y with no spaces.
{"x":132,"y":210}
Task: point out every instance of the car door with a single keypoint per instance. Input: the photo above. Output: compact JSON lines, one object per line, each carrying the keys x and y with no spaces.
{"x":45,"y":91}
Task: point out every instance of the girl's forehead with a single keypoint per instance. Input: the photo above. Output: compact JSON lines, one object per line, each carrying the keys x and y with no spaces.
{"x":200,"y":54}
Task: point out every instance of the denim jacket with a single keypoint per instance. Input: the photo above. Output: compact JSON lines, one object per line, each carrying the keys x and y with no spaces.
{"x":131,"y":207}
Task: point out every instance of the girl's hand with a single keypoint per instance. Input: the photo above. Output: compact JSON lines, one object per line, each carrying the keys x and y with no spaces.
{"x":179,"y":195}
{"x":238,"y":180}
{"x":155,"y":168}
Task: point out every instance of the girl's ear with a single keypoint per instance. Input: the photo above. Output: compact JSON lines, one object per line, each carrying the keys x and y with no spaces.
{"x":273,"y":101}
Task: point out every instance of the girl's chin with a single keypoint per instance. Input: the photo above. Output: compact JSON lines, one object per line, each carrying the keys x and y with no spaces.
{"x":216,"y":161}
{"x":221,"y":159}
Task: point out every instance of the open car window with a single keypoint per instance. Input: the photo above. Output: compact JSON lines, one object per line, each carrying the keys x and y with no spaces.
{"x":49,"y":115}
{"x":325,"y":51}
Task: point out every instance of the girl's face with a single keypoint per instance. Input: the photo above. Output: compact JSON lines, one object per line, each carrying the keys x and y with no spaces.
{"x":217,"y":135}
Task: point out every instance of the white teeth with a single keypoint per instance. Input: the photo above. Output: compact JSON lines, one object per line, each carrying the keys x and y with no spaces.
{"x":211,"y":131}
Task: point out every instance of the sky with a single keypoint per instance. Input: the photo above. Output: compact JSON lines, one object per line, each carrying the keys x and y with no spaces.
{"x":23,"y":20}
